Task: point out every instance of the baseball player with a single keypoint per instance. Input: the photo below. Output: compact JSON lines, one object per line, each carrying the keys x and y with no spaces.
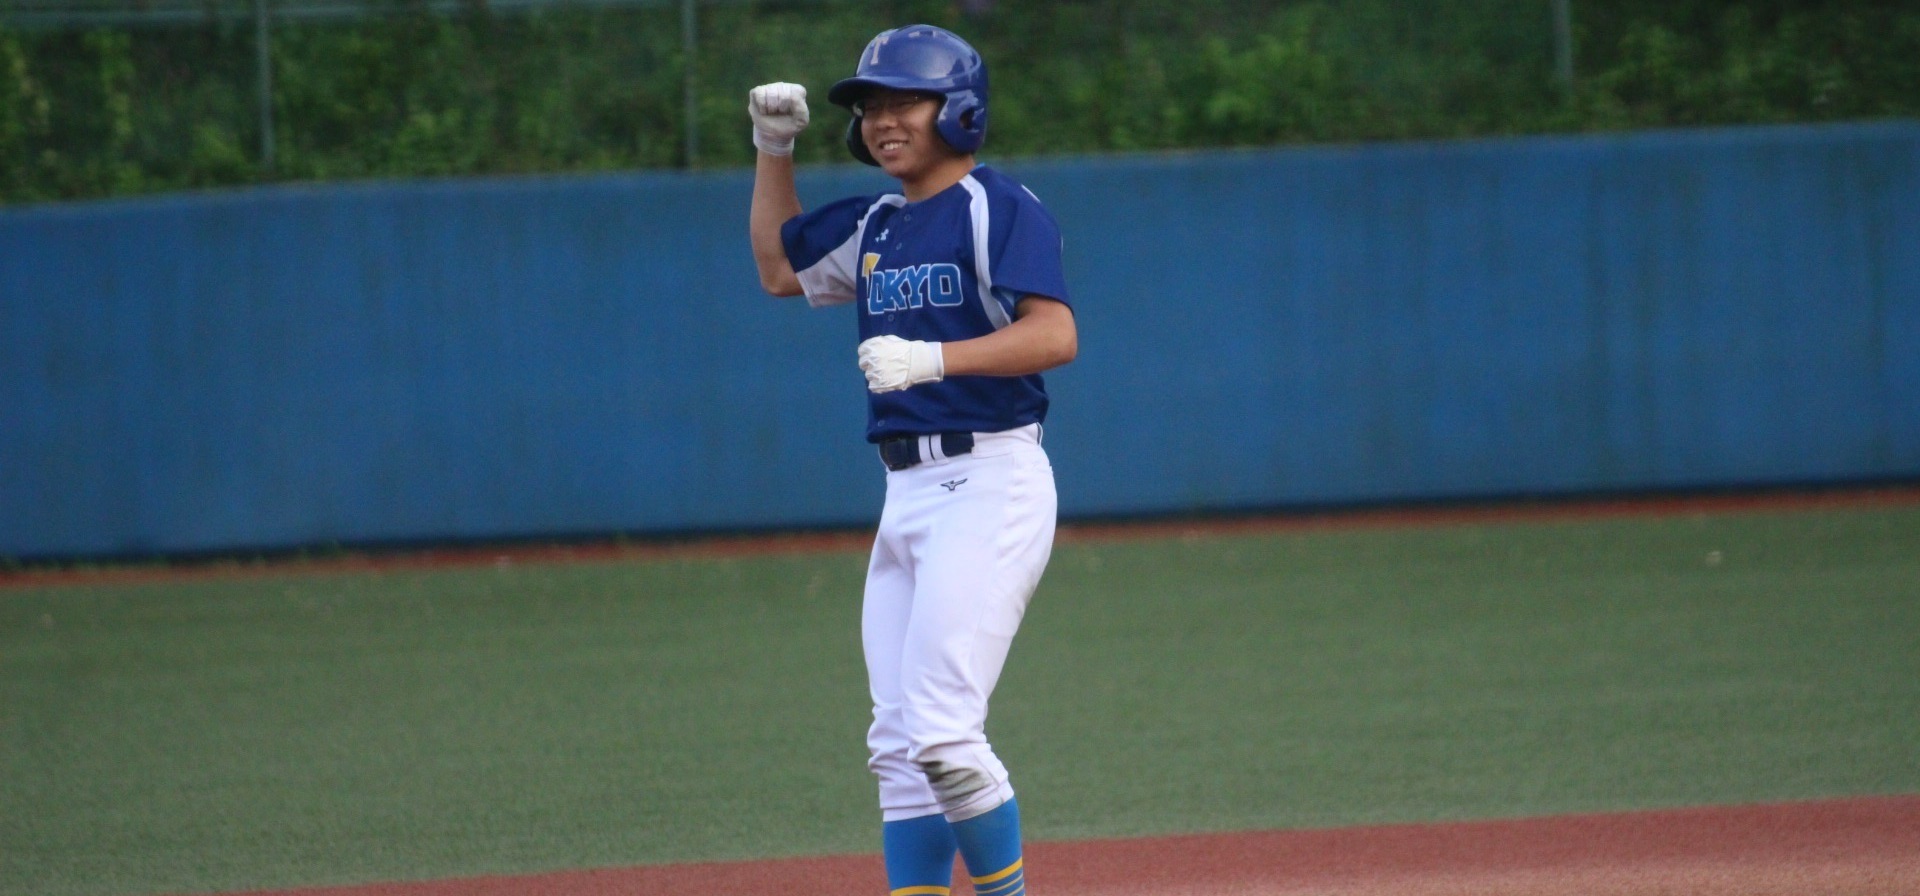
{"x":957,"y":284}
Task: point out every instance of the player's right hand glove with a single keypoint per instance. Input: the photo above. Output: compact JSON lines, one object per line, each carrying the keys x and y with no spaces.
{"x":892,"y":363}
{"x":779,"y":113}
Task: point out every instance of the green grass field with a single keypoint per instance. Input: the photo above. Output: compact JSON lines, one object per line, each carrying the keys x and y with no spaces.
{"x":303,"y":727}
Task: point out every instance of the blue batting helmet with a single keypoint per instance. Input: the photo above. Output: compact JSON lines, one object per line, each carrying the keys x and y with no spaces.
{"x":922,"y":58}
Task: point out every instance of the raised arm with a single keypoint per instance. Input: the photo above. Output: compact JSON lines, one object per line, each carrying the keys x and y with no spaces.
{"x":779,"y":113}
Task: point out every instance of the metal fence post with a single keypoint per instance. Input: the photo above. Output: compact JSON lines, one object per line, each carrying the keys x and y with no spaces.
{"x":264,"y":59}
{"x":689,"y":47}
{"x":1563,"y":43}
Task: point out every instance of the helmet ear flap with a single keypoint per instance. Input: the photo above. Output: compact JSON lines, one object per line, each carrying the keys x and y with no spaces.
{"x":858,"y":146}
{"x":963,"y":121}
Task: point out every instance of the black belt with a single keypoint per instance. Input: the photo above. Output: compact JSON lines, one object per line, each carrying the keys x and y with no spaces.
{"x":902,"y":452}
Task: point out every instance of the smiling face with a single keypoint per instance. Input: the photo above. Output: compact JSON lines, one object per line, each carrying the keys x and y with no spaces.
{"x":898,"y":128}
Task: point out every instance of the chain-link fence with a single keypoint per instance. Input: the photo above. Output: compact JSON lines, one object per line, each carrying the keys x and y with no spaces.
{"x":264,"y":16}
{"x":109,"y":97}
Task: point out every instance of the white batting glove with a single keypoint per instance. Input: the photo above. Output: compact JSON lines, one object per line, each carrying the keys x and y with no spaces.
{"x":892,"y":363}
{"x":779,"y":113}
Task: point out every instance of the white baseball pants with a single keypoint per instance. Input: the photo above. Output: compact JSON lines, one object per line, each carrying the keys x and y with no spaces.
{"x":961,"y":545}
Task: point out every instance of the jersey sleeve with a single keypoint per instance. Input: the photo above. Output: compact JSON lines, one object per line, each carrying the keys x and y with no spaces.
{"x":1027,"y":250}
{"x":823,"y":246}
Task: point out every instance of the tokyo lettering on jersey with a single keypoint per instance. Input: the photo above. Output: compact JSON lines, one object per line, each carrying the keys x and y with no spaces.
{"x":946,"y":268}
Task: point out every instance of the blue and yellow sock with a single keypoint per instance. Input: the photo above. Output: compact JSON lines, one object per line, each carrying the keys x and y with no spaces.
{"x":919,"y":854}
{"x":990,"y":844}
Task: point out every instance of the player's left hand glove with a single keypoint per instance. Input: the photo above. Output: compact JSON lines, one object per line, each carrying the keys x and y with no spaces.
{"x":892,"y":363}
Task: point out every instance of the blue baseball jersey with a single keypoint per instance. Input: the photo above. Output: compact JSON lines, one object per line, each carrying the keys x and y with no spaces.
{"x":946,"y":268}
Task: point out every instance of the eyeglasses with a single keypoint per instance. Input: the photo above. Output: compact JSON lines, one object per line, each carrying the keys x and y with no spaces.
{"x":896,"y":103}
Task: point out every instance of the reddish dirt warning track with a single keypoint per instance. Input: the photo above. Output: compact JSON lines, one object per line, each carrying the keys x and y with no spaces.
{"x":1853,"y":847}
{"x":859,"y":540}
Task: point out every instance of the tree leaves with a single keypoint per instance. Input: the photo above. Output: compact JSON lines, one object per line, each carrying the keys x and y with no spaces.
{"x":411,"y":93}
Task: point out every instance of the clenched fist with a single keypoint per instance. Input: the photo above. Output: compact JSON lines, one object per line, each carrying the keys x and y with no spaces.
{"x":892,"y":363}
{"x":779,"y":113}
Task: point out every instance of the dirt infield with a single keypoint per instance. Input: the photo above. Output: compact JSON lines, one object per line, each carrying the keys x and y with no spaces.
{"x":1853,"y":847}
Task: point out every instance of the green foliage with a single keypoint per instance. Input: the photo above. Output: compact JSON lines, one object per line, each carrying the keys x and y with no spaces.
{"x":1756,"y":63}
{"x":412,"y":93}
{"x":25,"y":118}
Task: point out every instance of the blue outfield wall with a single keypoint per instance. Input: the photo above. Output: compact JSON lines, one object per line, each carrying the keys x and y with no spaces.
{"x":529,"y":357}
